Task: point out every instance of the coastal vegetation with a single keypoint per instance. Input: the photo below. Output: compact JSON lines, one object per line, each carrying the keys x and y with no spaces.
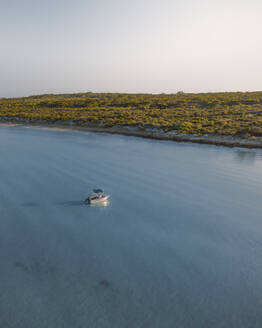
{"x":230,"y":113}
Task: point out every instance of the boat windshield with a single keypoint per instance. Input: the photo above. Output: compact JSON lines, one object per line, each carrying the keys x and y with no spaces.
{"x":98,"y":191}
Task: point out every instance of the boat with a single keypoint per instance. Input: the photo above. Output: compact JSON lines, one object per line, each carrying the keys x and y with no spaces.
{"x":98,"y":197}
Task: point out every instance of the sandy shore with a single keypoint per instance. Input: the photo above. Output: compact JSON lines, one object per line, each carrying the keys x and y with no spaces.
{"x":151,"y":133}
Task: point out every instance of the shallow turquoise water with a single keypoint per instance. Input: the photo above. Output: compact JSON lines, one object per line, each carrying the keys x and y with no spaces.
{"x":179,"y":245}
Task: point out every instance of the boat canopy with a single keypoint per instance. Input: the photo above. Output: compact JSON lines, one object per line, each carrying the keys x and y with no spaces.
{"x":98,"y":191}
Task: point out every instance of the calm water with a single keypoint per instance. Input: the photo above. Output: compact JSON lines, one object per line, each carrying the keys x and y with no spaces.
{"x":179,"y":245}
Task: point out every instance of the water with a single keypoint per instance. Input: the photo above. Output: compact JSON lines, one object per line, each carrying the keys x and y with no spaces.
{"x":179,"y":245}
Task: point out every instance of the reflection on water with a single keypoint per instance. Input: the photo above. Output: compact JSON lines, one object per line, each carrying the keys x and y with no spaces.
{"x":100,"y":204}
{"x":248,"y":156}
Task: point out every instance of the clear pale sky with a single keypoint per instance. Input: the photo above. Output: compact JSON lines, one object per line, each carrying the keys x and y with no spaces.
{"x":150,"y":46}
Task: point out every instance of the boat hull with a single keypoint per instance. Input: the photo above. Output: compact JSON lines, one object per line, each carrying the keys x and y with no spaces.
{"x":89,"y":200}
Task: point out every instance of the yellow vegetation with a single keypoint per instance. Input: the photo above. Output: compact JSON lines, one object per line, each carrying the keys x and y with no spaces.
{"x":235,"y":113}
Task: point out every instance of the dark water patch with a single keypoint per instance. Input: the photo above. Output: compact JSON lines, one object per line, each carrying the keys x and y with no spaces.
{"x":36,"y":267}
{"x":24,"y":267}
{"x":104,"y":283}
{"x":246,"y":156}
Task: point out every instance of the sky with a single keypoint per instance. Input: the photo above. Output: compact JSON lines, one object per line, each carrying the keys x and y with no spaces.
{"x":138,"y":46}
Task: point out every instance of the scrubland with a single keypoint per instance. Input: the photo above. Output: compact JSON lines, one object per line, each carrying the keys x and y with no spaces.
{"x":231,"y":114}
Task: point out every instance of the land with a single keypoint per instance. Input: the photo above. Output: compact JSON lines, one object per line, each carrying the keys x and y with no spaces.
{"x":229,"y":119}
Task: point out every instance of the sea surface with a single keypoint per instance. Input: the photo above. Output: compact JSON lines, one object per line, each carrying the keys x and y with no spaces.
{"x":178,"y":245}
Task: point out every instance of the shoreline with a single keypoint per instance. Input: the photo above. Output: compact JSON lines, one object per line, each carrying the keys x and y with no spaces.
{"x":149,"y":133}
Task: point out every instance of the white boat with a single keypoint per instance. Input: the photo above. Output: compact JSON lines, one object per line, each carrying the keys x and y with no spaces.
{"x":98,"y":197}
